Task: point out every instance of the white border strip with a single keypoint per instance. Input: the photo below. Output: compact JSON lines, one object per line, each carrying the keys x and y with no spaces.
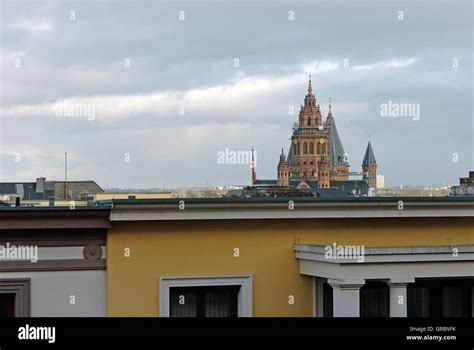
{"x":245,"y":297}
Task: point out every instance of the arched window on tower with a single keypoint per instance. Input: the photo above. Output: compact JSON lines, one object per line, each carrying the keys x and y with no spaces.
{"x":305,"y":148}
{"x":309,"y":121}
{"x":318,"y":148}
{"x":324,"y":148}
{"x":298,"y":149}
{"x":294,"y":150}
{"x":311,"y":148}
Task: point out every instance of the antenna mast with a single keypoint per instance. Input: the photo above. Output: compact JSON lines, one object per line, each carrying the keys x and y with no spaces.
{"x":65,"y":176}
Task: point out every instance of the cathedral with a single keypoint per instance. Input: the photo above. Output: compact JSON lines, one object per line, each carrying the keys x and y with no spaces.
{"x":316,"y":157}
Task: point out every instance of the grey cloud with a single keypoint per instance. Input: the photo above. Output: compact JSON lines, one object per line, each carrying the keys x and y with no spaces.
{"x":85,"y":58}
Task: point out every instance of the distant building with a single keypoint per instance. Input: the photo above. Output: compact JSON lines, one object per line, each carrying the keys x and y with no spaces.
{"x":380,"y":181}
{"x":43,"y":190}
{"x":132,"y":195}
{"x":466,"y":186}
{"x":347,"y":187}
{"x":316,"y":157}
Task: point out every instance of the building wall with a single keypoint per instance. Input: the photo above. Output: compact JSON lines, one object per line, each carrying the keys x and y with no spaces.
{"x":203,"y":248}
{"x":51,"y":292}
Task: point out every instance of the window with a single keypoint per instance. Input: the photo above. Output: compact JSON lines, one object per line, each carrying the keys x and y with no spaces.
{"x":327,"y":300}
{"x":318,"y":148}
{"x":374,"y":299}
{"x":214,"y":296}
{"x":311,"y":148}
{"x":441,"y":298}
{"x":305,"y":148}
{"x":14,"y":297}
{"x":218,"y":301}
{"x":298,"y":148}
{"x":7,"y":305}
{"x":309,"y":121}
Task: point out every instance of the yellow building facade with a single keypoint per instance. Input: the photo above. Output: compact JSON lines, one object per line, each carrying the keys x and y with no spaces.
{"x":271,"y":251}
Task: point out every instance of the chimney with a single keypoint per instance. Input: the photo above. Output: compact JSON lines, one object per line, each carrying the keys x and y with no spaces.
{"x":40,"y":184}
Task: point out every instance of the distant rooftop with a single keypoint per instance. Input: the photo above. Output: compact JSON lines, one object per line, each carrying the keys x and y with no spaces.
{"x":43,"y":189}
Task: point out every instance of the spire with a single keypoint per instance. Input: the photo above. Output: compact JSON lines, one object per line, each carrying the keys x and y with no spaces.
{"x":336,"y":150}
{"x":254,"y":174}
{"x":288,"y":156}
{"x":369,"y":157}
{"x":282,"y":157}
{"x":310,"y":87}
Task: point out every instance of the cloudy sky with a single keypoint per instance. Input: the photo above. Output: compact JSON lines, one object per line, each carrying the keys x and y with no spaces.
{"x":158,"y":88}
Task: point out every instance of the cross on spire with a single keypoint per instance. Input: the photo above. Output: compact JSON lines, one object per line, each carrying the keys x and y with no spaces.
{"x":310,"y":88}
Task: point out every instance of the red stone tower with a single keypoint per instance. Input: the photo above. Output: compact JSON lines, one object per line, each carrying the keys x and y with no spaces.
{"x":324,"y":172}
{"x":310,"y":113}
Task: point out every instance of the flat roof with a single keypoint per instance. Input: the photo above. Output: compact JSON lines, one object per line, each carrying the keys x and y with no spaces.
{"x":286,"y":199}
{"x":101,"y":206}
{"x":54,"y":217}
{"x":288,"y":208}
{"x":252,"y":208}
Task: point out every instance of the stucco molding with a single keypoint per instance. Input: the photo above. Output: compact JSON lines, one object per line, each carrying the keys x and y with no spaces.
{"x":346,"y":284}
{"x":397,"y":264}
{"x":52,"y":265}
{"x":455,"y":253}
{"x":121,"y":215}
{"x":270,"y":208}
{"x":245,"y":296}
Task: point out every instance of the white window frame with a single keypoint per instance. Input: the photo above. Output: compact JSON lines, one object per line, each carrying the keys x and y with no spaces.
{"x":244,"y":297}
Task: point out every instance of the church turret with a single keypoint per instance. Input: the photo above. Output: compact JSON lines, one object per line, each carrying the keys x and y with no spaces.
{"x":282,"y":171}
{"x":369,"y":167}
{"x":310,"y":113}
